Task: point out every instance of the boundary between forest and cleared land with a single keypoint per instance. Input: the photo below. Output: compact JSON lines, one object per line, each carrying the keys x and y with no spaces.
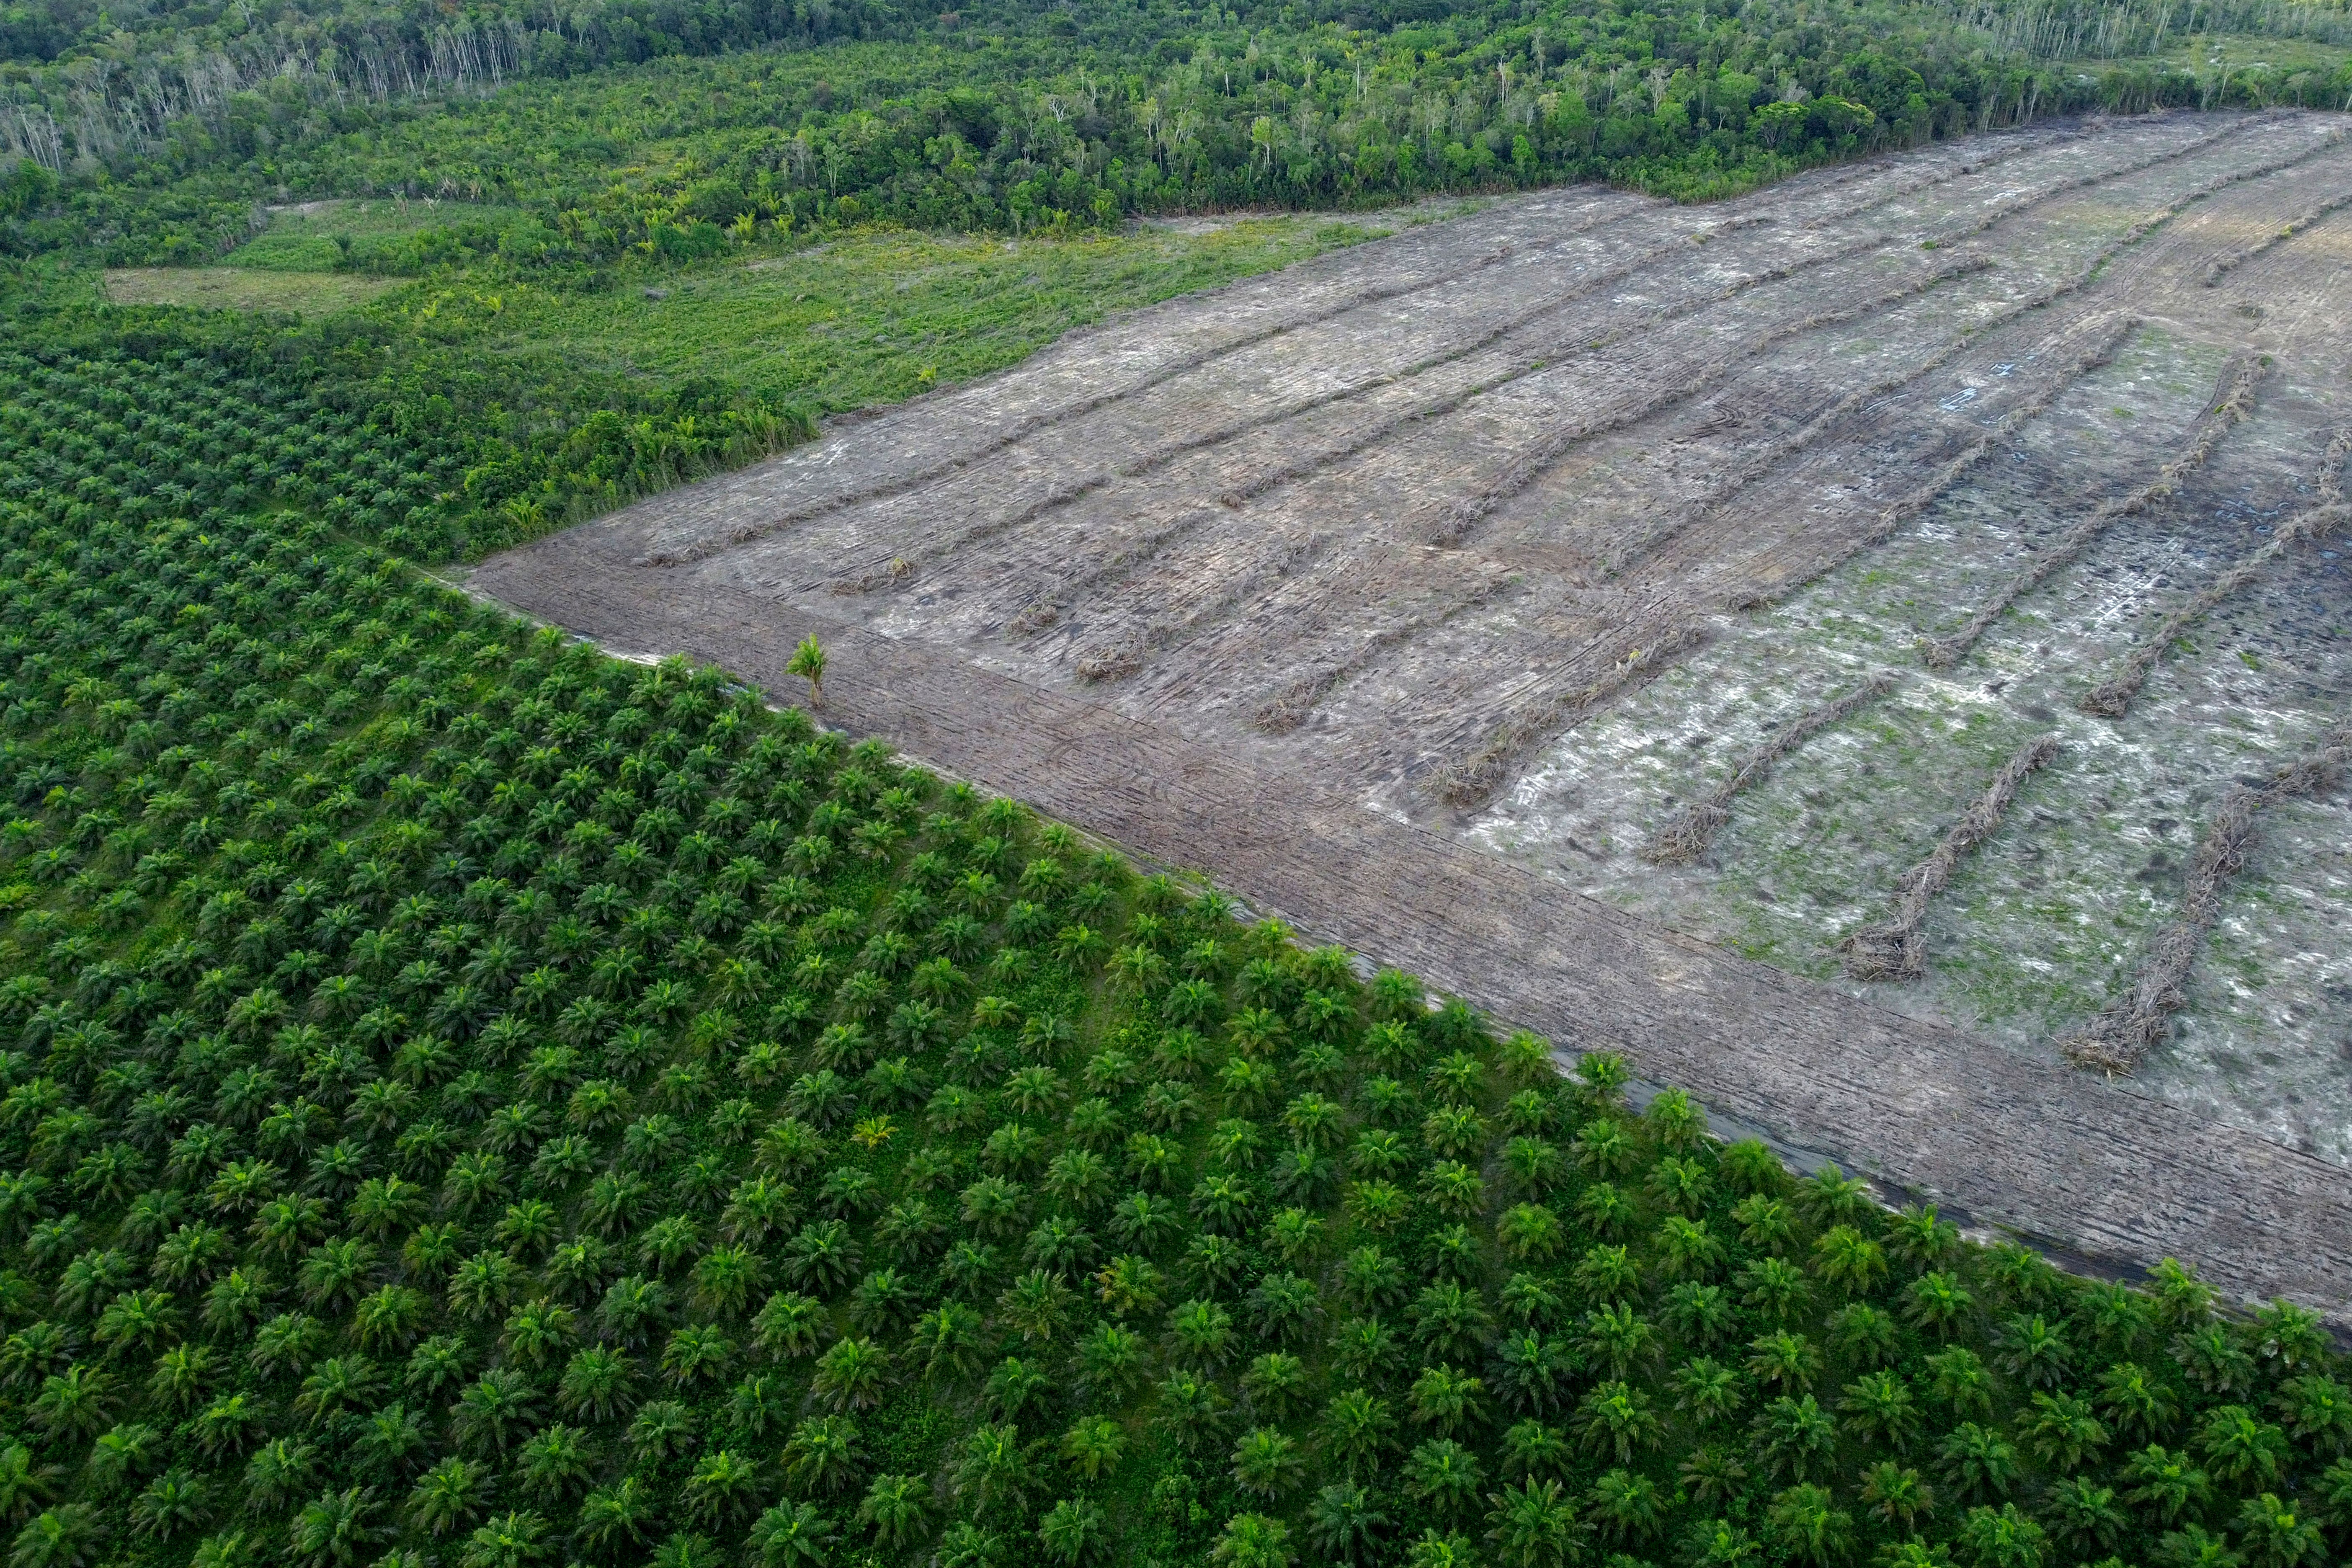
{"x":2059,"y":1156}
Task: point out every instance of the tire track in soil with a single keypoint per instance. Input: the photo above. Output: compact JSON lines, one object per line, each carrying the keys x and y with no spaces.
{"x":2112,"y":698}
{"x":1690,"y":830}
{"x":1281,"y":702}
{"x":2133,"y":1022}
{"x":1284,"y":708}
{"x":2233,"y":397}
{"x":1922,"y":1106}
{"x":1036,"y":423}
{"x":1897,"y":947}
{"x":1110,"y":664}
{"x":1471,"y":783}
{"x":1285,"y":705}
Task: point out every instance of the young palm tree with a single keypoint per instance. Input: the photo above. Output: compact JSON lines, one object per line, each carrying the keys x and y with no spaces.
{"x":808,"y":663}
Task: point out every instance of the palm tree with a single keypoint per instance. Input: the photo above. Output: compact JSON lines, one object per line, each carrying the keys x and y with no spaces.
{"x":1615,"y":1418}
{"x":894,"y":1508}
{"x":613,"y":1518}
{"x":595,"y":1384}
{"x":2006,"y":1539}
{"x":1358,"y":1429}
{"x":1093,"y":1446}
{"x":513,"y":1539}
{"x":724,"y":1489}
{"x":558,"y":1460}
{"x":853,"y":1375}
{"x":25,"y":1486}
{"x":793,"y":1535}
{"x":2280,"y":1534}
{"x":332,"y":1528}
{"x":1444,"y":1475}
{"x":1265,"y":1461}
{"x":1344,"y":1525}
{"x":808,"y":663}
{"x":1075,"y":1530}
{"x":821,"y":1456}
{"x":64,"y":1537}
{"x":1809,"y":1530}
{"x":1792,"y":1434}
{"x":172,"y":1502}
{"x":1529,"y":1524}
{"x":1254,"y":1540}
{"x":447,"y":1496}
{"x":995,"y":1471}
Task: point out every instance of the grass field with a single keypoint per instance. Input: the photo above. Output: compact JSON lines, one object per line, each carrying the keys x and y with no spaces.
{"x":2239,"y":51}
{"x":313,"y":236}
{"x":875,"y":317}
{"x":236,"y":289}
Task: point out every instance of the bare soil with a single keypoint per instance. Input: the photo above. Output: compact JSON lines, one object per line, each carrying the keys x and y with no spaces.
{"x":1409,"y":590}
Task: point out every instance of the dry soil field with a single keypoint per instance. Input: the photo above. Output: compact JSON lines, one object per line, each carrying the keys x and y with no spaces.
{"x":1872,"y":650}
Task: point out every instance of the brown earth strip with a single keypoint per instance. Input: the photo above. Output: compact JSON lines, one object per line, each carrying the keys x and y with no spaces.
{"x":1128,"y":654}
{"x":1474,"y":780}
{"x":898,"y":572}
{"x":1897,"y":949}
{"x":2061,"y":1157}
{"x":1288,"y":707}
{"x":2233,"y":397}
{"x":1524,"y":361}
{"x":2135,"y":1021}
{"x":1471,"y":510}
{"x":1683,"y":837}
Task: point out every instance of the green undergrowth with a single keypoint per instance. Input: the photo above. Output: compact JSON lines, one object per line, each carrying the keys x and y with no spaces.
{"x":458,"y":416}
{"x":878,"y":316}
{"x":386,"y":234}
{"x":467,"y":1099}
{"x":264,"y":290}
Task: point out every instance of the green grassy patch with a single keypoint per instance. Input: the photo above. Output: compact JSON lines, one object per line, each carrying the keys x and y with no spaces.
{"x":2211,"y":52}
{"x":234,"y":288}
{"x":321,"y":237}
{"x":874,"y":317}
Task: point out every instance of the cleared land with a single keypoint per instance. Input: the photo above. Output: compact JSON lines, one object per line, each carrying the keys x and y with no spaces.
{"x":1415,"y":587}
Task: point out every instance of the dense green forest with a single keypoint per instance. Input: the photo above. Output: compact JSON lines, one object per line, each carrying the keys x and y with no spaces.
{"x":468,"y":1099}
{"x":1002,"y":118}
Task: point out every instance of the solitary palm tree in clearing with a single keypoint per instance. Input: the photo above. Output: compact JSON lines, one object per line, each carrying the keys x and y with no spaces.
{"x":808,"y":663}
